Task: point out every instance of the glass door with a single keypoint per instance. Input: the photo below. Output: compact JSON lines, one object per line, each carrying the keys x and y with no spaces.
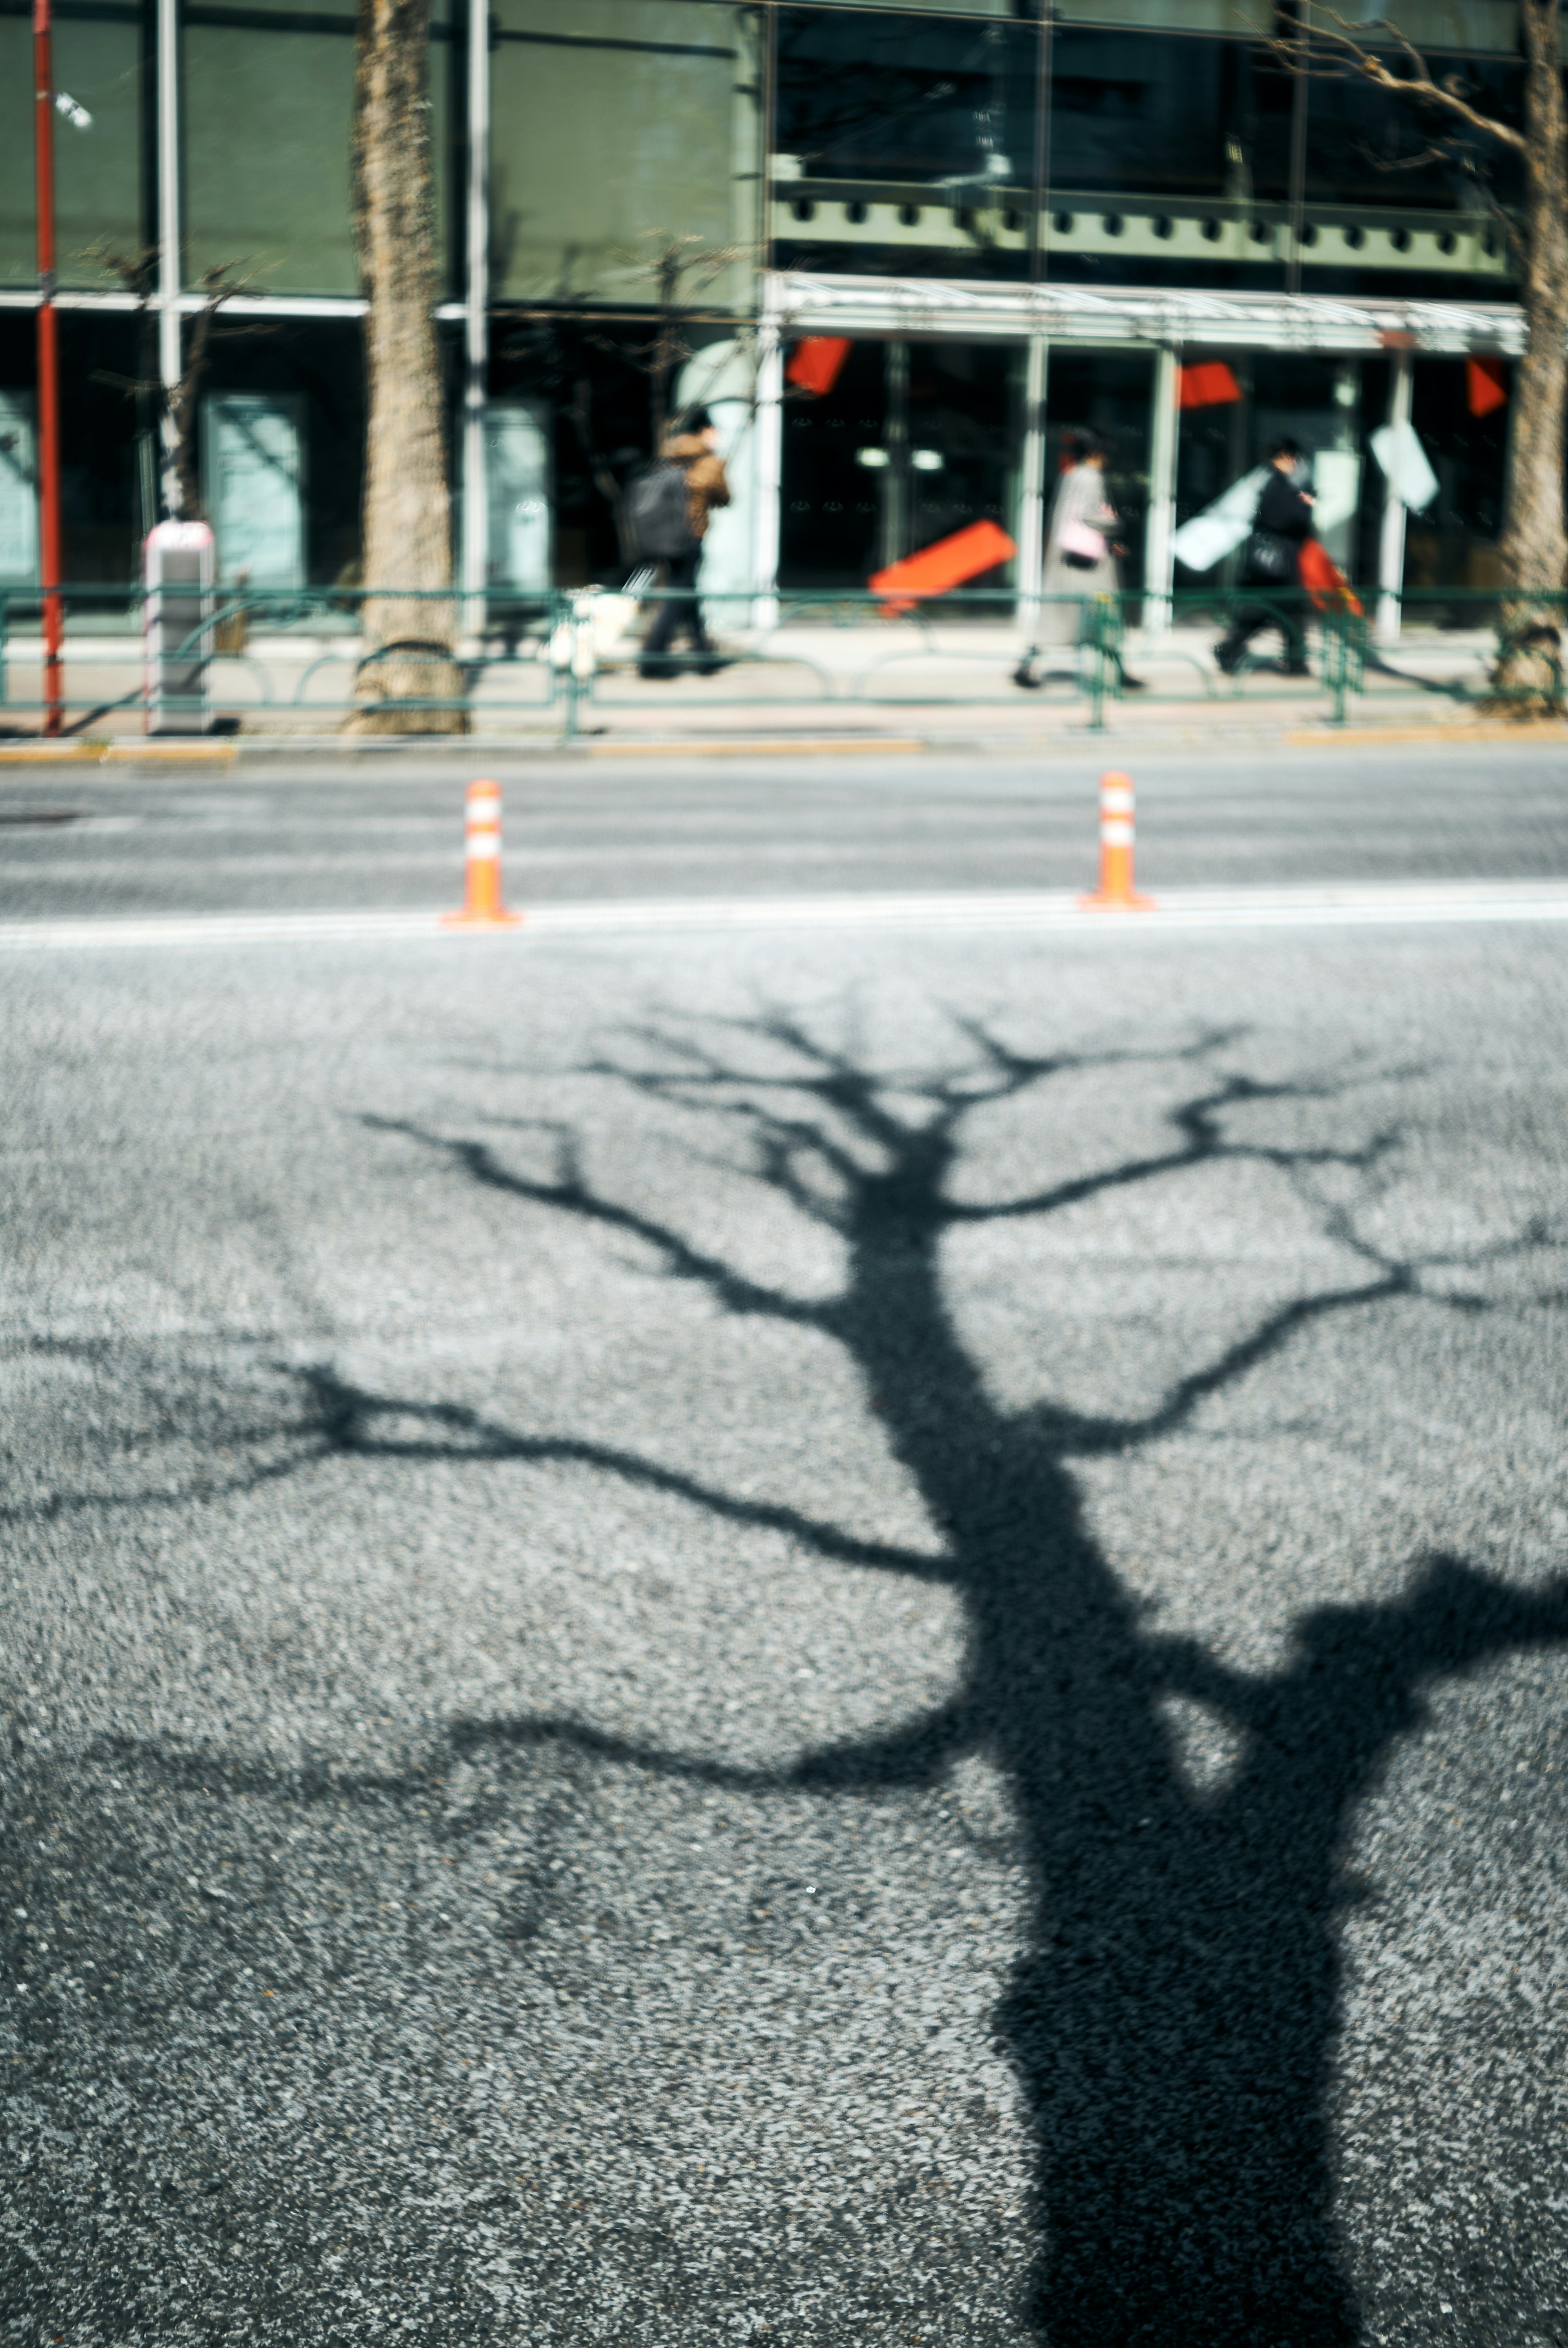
{"x":1110,"y":394}
{"x":912,"y":444}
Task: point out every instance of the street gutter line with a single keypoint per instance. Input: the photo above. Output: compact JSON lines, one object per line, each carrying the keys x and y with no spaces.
{"x":1043,"y":912}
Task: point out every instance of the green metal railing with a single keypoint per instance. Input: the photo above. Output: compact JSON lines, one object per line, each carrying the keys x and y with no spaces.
{"x":271,"y":656}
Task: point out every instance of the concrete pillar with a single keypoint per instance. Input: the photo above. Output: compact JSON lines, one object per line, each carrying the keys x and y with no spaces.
{"x":1391,"y":539}
{"x":767,"y":471}
{"x":722,"y":378}
{"x":1160,"y":524}
{"x":1336,"y":470}
{"x":171,"y":365}
{"x":1030,"y":527}
{"x":893,"y":480}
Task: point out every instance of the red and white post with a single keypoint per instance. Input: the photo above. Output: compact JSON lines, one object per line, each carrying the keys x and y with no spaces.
{"x":1116,"y":893}
{"x":482,"y":906}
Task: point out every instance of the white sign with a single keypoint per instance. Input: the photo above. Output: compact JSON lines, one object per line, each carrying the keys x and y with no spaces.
{"x":516,"y":497}
{"x":253,"y":468}
{"x":1219,"y":529}
{"x":1406,"y":470}
{"x":18,"y":491}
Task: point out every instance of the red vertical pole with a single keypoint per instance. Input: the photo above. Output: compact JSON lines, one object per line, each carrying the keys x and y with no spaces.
{"x":48,"y":366}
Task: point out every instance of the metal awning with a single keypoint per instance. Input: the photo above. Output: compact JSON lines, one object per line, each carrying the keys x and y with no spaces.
{"x":802,"y":303}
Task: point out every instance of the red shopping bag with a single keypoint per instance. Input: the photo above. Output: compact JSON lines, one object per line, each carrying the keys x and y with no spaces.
{"x":1324,"y":582}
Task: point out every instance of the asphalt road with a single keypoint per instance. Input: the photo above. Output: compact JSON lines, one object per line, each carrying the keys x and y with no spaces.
{"x":387,"y":831}
{"x":773,"y":1638}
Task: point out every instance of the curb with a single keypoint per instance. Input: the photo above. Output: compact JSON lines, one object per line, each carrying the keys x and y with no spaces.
{"x":1543,"y":730}
{"x":1179,"y":738}
{"x":103,"y":754}
{"x":466,"y":746}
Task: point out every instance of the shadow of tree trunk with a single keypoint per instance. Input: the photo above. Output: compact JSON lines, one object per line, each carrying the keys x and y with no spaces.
{"x":1172,"y":2016}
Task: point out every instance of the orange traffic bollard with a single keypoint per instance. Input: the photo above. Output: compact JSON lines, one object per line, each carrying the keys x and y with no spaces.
{"x":482,"y":908}
{"x":1116,"y":893}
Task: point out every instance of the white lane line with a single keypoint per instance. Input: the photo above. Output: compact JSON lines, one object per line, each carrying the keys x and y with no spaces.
{"x":1044,"y":911}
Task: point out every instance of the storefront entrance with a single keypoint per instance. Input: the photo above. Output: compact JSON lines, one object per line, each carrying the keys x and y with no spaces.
{"x":1111,"y":395}
{"x":912,"y":442}
{"x":953,"y":400}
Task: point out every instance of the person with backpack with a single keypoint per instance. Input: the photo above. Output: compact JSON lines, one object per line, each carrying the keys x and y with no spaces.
{"x":668,"y":505}
{"x":1272,"y":558}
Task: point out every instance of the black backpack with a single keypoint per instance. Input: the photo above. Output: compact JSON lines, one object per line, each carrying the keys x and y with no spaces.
{"x":656,"y":510}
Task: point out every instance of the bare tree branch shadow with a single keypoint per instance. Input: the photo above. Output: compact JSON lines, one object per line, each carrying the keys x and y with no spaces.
{"x":1172,"y":2018}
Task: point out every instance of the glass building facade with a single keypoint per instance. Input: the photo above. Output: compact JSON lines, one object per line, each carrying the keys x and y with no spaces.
{"x":1017,"y":218}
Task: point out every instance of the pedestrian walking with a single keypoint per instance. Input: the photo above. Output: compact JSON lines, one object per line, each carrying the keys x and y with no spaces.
{"x":670,"y":506}
{"x":1081,"y":554}
{"x":1271,"y":558}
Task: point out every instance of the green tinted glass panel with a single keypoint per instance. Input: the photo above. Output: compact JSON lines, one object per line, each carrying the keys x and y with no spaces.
{"x":269,"y":113}
{"x":97,"y":171}
{"x":622,"y":130}
{"x":16,"y":153}
{"x":1478,"y":27}
{"x":907,"y":98}
{"x":18,"y":490}
{"x":938,"y":7}
{"x":1475,"y":27}
{"x":1160,"y":16}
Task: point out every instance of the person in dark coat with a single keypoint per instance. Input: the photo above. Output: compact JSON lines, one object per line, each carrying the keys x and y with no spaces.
{"x":696,"y":451}
{"x":1284,"y":515}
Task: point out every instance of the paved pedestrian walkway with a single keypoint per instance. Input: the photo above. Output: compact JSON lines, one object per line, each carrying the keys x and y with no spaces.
{"x":918,"y":678}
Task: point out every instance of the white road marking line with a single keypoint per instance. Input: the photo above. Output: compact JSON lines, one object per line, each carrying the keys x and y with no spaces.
{"x":1044,"y":911}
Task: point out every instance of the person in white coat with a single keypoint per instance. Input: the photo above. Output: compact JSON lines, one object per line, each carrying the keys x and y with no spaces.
{"x":1081,"y":556}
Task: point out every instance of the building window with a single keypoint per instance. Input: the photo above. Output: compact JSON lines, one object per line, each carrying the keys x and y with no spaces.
{"x":623,"y":141}
{"x":97,"y":171}
{"x":268,"y":118}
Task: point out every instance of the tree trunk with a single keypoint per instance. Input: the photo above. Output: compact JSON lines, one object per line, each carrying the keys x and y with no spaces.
{"x":1529,"y":669}
{"x":409,"y":656}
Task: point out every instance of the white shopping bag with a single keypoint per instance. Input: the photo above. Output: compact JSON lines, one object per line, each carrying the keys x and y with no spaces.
{"x":1215,"y":532}
{"x":598,"y":623}
{"x":608,"y":618}
{"x":1405,"y":467}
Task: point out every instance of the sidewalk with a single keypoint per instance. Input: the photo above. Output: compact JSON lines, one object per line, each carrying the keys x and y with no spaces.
{"x":908,"y":682}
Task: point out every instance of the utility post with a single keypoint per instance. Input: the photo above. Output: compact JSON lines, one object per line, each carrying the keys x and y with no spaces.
{"x":170,"y":350}
{"x":1160,"y":526}
{"x":48,"y":366}
{"x":474,"y":535}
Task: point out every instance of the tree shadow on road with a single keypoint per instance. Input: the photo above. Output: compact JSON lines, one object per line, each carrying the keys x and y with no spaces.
{"x":1172,"y":2016}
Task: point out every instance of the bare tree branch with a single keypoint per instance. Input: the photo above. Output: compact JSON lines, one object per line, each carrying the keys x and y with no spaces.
{"x":178,"y":403}
{"x":1339,"y":39}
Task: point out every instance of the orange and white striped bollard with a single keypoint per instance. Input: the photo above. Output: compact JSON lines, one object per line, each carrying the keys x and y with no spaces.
{"x":482,"y":906}
{"x":1116,"y":893}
